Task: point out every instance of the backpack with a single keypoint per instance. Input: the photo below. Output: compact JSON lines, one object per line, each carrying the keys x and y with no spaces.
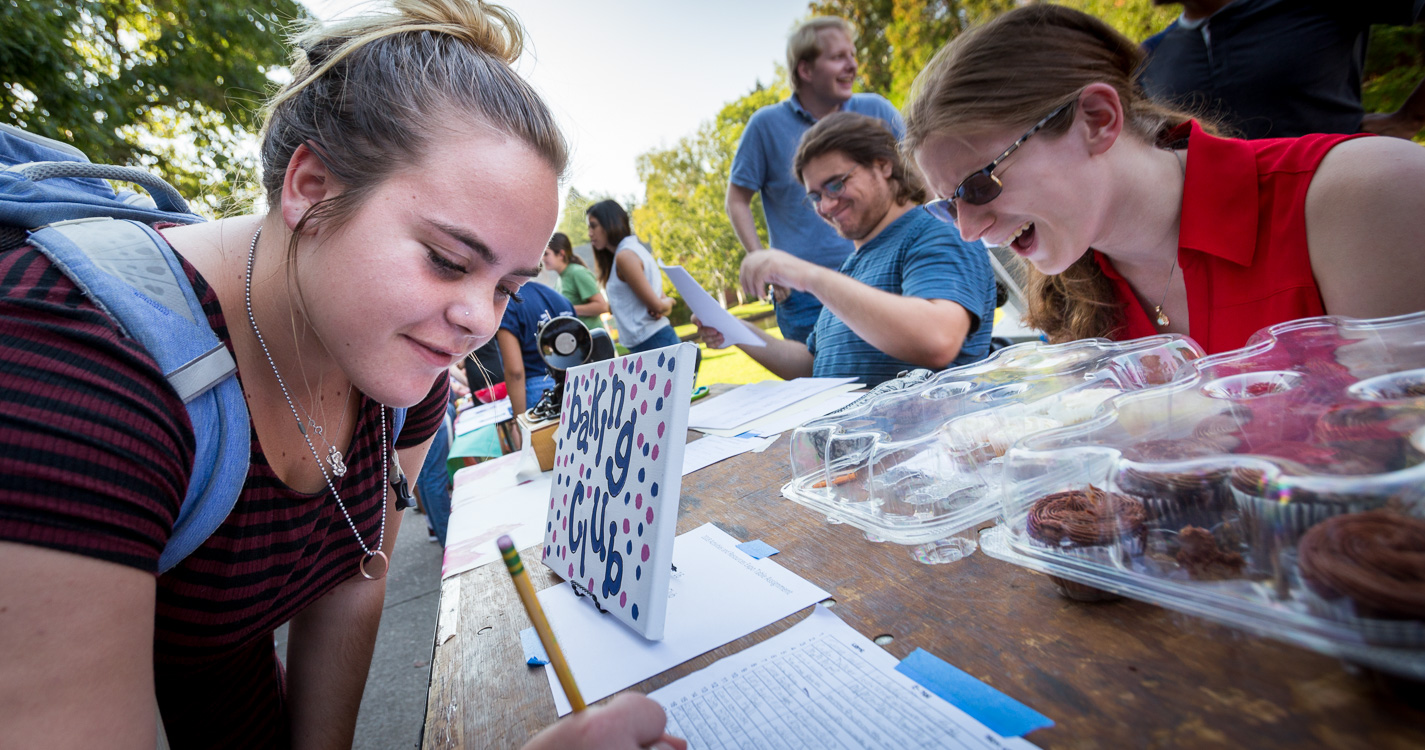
{"x":53,"y":198}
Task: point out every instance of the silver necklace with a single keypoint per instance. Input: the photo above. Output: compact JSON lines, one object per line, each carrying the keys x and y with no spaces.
{"x":334,"y":458}
{"x":385,"y":447}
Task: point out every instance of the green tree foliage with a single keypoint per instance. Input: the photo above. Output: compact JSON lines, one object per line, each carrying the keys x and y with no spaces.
{"x":172,"y":86}
{"x":896,"y":38}
{"x":1135,"y":19}
{"x":1395,"y":65}
{"x":686,"y":186}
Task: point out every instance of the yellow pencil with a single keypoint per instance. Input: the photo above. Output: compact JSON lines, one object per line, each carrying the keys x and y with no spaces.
{"x":541,"y":625}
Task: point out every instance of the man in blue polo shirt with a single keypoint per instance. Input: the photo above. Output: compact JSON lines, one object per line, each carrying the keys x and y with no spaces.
{"x":821,"y":61}
{"x":913,"y":294}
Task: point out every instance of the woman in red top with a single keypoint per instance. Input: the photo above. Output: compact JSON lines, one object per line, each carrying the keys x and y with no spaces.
{"x":411,"y":179}
{"x":1136,"y":220}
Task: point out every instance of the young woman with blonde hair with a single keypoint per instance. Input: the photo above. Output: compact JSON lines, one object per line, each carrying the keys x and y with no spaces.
{"x":412,"y":179}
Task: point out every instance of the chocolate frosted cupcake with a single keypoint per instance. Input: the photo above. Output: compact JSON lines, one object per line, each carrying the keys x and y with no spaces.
{"x":1367,"y":570}
{"x":1204,"y":559}
{"x":1178,"y":498}
{"x":1277,"y":508}
{"x":1093,"y":525}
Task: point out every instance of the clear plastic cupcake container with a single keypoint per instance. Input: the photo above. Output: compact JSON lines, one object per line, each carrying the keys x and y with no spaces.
{"x":1279,"y":488}
{"x":917,"y":461}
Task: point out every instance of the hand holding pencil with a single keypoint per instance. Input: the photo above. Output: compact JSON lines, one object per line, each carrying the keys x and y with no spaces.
{"x":628,"y":721}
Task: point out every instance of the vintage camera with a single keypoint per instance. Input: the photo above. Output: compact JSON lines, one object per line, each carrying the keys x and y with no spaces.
{"x":565,"y":342}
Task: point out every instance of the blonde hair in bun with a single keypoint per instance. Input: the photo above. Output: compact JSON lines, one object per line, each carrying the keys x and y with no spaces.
{"x":367,"y":93}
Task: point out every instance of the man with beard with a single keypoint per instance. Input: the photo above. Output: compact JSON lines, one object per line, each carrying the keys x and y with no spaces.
{"x":912,"y":294}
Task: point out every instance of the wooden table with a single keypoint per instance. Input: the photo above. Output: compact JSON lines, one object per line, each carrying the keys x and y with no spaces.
{"x":1111,"y":675}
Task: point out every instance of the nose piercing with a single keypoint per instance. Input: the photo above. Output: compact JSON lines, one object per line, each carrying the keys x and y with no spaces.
{"x":467,"y":313}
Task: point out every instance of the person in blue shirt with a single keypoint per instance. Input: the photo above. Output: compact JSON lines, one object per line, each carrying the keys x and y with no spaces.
{"x":913,"y":294}
{"x":526,"y":377}
{"x":821,"y":61}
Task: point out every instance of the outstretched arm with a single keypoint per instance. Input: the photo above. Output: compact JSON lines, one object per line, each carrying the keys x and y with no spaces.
{"x":786,"y":359}
{"x":925,"y":332}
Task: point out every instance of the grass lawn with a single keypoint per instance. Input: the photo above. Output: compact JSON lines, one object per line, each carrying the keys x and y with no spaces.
{"x":732,"y":365}
{"x":729,"y":365}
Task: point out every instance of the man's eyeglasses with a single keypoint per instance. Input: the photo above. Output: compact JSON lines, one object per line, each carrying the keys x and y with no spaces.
{"x":832,"y":188}
{"x":983,"y":186}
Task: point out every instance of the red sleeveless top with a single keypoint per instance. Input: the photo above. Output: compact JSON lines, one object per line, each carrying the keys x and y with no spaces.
{"x":1242,"y":242}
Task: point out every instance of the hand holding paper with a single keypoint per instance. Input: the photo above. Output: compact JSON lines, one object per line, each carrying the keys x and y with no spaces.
{"x":709,"y":312}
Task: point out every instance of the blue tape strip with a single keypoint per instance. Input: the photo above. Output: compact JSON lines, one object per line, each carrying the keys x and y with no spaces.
{"x":1001,"y":713}
{"x":758,"y":549}
{"x":533,"y":650}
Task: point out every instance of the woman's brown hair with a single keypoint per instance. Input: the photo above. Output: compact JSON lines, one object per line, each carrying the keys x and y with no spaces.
{"x":562,"y":247}
{"x":1005,"y":76}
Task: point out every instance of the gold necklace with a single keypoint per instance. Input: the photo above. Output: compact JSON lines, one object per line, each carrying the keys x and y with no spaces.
{"x":1162,"y":317}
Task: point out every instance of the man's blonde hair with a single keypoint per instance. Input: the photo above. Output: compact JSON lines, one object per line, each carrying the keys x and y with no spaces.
{"x":804,"y":45}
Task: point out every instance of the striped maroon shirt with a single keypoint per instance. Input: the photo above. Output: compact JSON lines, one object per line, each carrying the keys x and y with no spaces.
{"x":95,"y":454}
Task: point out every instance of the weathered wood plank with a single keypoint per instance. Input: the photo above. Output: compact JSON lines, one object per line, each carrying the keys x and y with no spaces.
{"x":1111,"y":675}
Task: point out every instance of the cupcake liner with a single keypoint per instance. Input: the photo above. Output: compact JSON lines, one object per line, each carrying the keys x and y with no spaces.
{"x":1374,"y":630}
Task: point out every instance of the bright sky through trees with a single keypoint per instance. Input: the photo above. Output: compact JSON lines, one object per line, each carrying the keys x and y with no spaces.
{"x":627,"y":76}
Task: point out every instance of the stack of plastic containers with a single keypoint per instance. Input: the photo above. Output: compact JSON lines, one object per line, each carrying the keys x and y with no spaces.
{"x":1278,"y":488}
{"x":918,"y":464}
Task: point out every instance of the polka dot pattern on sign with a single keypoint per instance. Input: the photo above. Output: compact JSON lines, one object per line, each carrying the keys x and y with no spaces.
{"x":611,"y":455}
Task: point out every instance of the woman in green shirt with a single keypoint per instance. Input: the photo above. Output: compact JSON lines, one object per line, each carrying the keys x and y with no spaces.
{"x":576,"y":281}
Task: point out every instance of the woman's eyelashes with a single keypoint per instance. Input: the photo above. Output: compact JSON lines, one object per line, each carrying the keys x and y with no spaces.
{"x":445,"y":265}
{"x":453,"y":270}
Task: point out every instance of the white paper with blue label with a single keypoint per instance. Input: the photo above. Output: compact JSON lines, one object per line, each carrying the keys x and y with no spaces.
{"x":618,"y":467}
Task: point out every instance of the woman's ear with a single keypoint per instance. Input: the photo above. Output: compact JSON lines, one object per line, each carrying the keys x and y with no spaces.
{"x":1101,"y":111}
{"x":306,"y":183}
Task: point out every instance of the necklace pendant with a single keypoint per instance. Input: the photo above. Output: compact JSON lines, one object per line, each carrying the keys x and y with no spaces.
{"x":1162,"y":317}
{"x":334,"y":458}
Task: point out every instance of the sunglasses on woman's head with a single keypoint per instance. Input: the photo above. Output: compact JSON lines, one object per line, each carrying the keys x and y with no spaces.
{"x":983,"y":186}
{"x":832,"y":188}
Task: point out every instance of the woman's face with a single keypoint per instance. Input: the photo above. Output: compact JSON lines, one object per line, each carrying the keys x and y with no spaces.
{"x":554,"y":261}
{"x":597,"y":236}
{"x":419,"y":276}
{"x":1046,"y":212}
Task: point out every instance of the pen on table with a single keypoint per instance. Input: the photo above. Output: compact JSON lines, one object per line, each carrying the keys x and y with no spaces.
{"x":541,"y":625}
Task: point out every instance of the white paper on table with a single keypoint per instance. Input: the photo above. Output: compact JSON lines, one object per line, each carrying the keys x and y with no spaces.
{"x":476,"y":417}
{"x":756,"y":400}
{"x":718,"y":594}
{"x":709,"y":312}
{"x":817,"y":684}
{"x":482,"y":511}
{"x":796,"y":415}
{"x":708,"y":450}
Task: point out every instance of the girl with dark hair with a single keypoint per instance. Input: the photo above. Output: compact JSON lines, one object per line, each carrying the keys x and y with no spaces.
{"x":1135,"y":219}
{"x":410,"y":175}
{"x":576,"y":281}
{"x":631,"y":275}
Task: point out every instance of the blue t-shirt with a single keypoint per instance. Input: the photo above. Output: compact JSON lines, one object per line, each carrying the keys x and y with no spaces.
{"x":539,"y":304}
{"x":916,"y":256}
{"x":763,"y":164}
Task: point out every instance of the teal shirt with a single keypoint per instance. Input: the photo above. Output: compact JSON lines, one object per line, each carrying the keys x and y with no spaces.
{"x":577,"y":284}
